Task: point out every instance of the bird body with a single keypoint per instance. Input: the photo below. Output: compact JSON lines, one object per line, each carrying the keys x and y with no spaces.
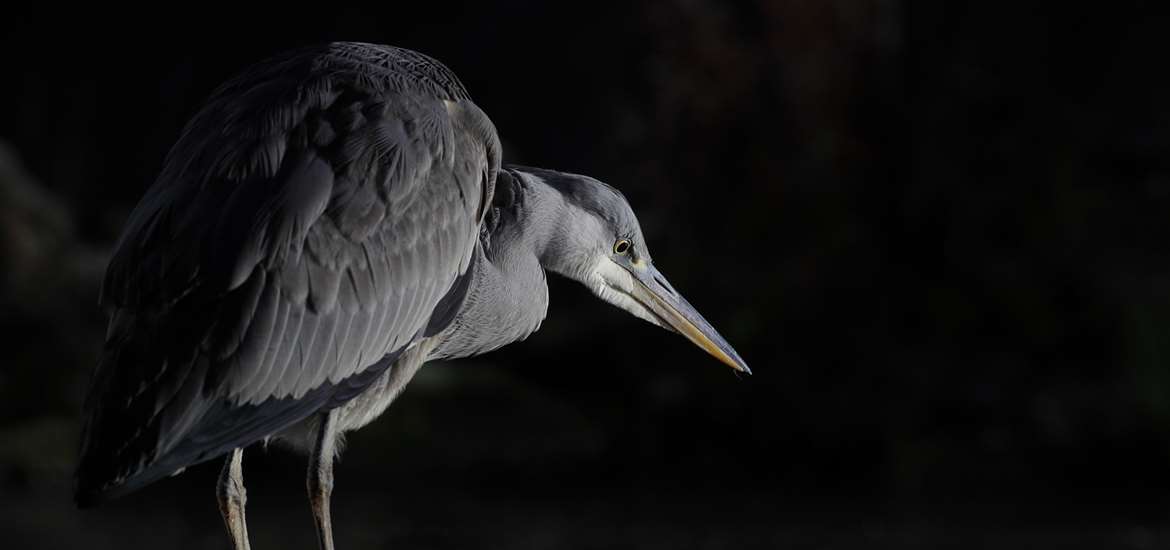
{"x":285,"y":256}
{"x":331,"y":220}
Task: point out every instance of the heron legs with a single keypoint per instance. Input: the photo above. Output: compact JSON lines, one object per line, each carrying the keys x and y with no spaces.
{"x":232,"y":497}
{"x":320,"y":479}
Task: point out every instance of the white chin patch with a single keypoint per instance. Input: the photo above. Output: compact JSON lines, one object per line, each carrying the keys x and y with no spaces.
{"x":614,"y":284}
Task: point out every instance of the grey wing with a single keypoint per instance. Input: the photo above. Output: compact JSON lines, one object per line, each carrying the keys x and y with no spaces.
{"x":307,"y":228}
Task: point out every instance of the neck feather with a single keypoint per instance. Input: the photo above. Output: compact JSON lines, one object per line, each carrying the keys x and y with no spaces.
{"x":556,"y":232}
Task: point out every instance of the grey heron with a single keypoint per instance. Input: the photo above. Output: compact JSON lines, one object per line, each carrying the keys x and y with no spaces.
{"x":329,"y":221}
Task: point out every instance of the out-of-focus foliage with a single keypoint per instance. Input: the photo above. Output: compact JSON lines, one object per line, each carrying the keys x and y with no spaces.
{"x":47,"y":280}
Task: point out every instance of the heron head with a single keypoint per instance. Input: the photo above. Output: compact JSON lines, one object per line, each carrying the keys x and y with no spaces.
{"x":599,"y":242}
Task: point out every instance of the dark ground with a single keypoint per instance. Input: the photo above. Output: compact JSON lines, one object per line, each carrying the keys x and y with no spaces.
{"x":936,"y":231}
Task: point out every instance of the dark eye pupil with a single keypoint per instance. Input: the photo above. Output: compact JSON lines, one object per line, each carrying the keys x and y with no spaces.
{"x":622,"y":247}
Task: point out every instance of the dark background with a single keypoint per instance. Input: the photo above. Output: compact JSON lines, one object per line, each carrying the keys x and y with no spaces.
{"x":937,"y":232}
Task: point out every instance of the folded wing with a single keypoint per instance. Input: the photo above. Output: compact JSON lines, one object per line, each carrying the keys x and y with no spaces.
{"x":303,"y":231}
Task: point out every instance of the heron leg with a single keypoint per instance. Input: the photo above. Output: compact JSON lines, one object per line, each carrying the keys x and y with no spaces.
{"x":320,"y":479}
{"x":232,"y":496}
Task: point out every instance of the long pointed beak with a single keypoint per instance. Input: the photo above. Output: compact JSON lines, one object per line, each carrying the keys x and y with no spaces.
{"x":655,"y":293}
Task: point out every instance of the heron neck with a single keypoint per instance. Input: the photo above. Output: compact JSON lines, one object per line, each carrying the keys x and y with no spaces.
{"x":508,"y":296}
{"x":551,"y":227}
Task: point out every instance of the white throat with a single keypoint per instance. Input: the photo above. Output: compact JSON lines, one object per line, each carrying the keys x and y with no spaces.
{"x":612,"y":283}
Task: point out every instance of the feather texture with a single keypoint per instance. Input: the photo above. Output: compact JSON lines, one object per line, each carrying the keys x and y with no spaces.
{"x":304,"y":229}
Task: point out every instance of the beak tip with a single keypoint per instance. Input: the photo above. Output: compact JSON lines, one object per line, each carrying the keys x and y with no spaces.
{"x":737,"y":364}
{"x":741,"y":368}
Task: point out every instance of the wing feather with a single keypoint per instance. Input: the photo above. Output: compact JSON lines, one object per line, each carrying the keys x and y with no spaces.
{"x":318,"y":353}
{"x":302,"y":232}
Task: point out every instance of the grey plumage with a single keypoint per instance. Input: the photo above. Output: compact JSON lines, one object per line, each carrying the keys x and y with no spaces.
{"x":288,"y":245}
{"x":330,"y":221}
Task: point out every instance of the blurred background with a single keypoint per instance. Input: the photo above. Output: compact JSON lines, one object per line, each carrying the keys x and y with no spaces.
{"x":936,"y":231}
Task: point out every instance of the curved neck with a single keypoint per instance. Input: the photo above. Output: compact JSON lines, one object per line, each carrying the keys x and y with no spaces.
{"x":524,"y":234}
{"x":536,"y":218}
{"x":508,"y":297}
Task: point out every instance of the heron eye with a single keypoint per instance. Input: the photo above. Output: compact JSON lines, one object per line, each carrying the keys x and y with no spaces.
{"x":621,"y":247}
